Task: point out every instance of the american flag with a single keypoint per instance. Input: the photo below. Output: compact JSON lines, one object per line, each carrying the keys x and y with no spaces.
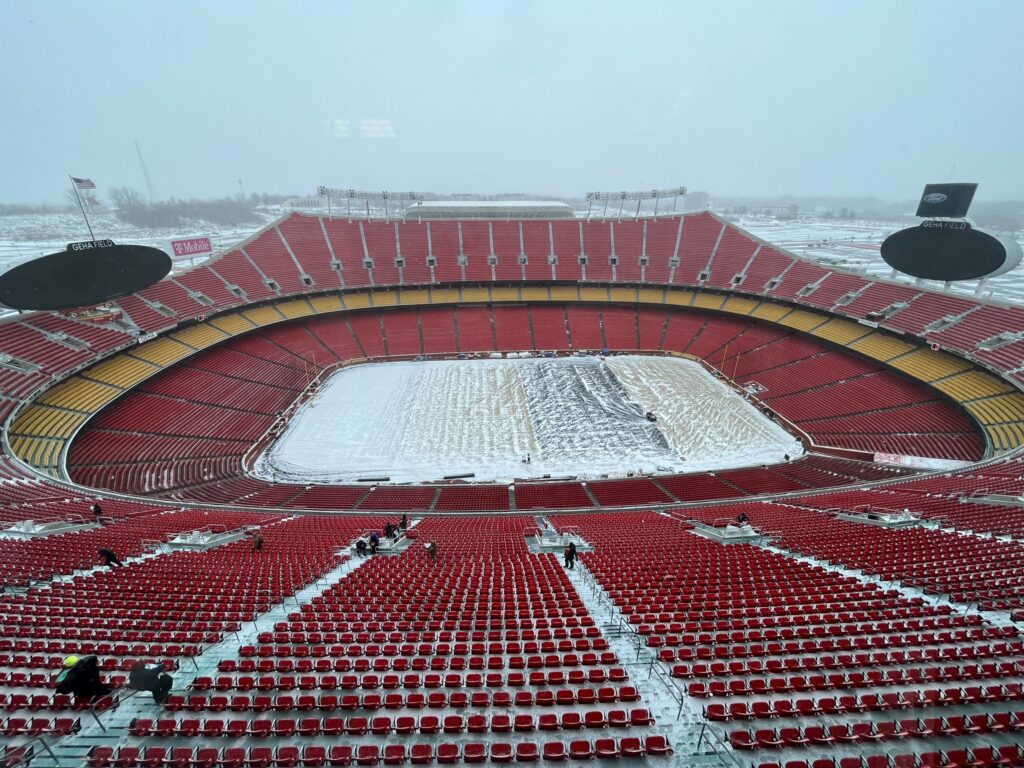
{"x":83,"y":183}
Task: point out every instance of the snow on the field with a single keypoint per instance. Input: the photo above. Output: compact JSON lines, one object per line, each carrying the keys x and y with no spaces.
{"x":702,"y":417}
{"x":581,"y":416}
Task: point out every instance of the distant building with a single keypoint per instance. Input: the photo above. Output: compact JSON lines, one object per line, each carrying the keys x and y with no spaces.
{"x":488,"y":209}
{"x":305,"y":203}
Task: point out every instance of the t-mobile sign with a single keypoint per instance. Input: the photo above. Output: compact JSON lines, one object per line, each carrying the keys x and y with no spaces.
{"x":191,"y":247}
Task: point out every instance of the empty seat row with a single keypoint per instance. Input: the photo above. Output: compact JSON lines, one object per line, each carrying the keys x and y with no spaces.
{"x":329,"y":702}
{"x":870,"y":702}
{"x":1007,"y":756}
{"x":865,"y":732}
{"x":315,"y":756}
{"x":330,"y":682}
{"x":383,"y":725}
{"x":799,"y":684}
{"x":40,"y":726}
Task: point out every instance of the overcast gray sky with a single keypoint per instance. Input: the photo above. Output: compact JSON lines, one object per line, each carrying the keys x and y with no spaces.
{"x":758,"y":98}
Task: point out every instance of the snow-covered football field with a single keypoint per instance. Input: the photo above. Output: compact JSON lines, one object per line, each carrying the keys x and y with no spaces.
{"x":580,"y":416}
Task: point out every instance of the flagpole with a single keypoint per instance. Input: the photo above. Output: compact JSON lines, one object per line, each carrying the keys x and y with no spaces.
{"x":81,"y":207}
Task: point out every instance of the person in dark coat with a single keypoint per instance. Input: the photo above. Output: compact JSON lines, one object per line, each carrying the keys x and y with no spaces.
{"x":361,"y":548}
{"x":570,"y":556}
{"x":374,"y":543}
{"x":152,"y":678}
{"x":109,"y":558}
{"x":742,"y":518}
{"x":81,"y":679}
{"x":389,"y":530}
{"x":97,"y":513}
{"x":404,"y":522}
{"x":257,"y":544}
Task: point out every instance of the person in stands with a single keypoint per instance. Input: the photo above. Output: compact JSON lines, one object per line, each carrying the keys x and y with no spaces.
{"x":570,"y":556}
{"x":151,"y":677}
{"x":432,"y":551}
{"x":97,"y":513}
{"x":742,"y":518}
{"x":389,"y":530}
{"x":257,"y":543}
{"x":374,"y":543}
{"x":361,"y":547}
{"x":81,"y":678}
{"x":404,"y":523}
{"x":109,"y":558}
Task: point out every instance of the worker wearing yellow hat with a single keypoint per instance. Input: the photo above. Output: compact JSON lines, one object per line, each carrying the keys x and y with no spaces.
{"x":81,"y":678}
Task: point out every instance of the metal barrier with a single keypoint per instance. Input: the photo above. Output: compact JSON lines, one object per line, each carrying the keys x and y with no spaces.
{"x":27,"y":752}
{"x":719,"y":746}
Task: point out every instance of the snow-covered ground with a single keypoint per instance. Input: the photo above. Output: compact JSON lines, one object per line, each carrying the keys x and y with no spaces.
{"x":582,"y":416}
{"x":29,"y":236}
{"x":856,"y":246}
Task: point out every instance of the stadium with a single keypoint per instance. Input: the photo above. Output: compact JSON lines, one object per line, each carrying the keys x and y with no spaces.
{"x":795,"y":493}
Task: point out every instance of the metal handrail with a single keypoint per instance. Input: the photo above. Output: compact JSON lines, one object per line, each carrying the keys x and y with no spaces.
{"x":721,"y":749}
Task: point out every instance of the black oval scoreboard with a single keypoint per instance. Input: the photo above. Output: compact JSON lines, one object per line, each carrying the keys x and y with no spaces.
{"x":82,"y":275}
{"x":948,"y":248}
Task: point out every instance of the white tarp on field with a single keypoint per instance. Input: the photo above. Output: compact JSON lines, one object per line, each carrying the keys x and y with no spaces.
{"x":582,"y":416}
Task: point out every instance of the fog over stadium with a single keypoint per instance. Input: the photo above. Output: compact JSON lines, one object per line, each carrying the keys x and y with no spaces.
{"x":455,"y":382}
{"x":738,"y":98}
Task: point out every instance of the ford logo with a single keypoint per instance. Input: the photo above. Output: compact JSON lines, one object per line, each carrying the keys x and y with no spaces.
{"x":935,"y":197}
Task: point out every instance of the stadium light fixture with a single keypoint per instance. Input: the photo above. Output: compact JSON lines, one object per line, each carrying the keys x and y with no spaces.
{"x":332,"y":193}
{"x":623,"y":196}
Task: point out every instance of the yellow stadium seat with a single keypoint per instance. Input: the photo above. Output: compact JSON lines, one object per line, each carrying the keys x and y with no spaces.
{"x":739,"y":305}
{"x":881,"y":346}
{"x":563,"y":293}
{"x":504,"y":293}
{"x":679,"y":298}
{"x":593,"y":293}
{"x":326,"y":303}
{"x":624,"y":295}
{"x":928,"y":365}
{"x":163,"y":351}
{"x":296,"y":308}
{"x":78,"y":394}
{"x":200,"y":336}
{"x":651,"y":295}
{"x":356,"y":300}
{"x":534,"y":293}
{"x":475,"y":295}
{"x":771,"y":312}
{"x":708,"y":300}
{"x":384,"y":298}
{"x":802,"y":320}
{"x":840,"y":331}
{"x":413,"y":296}
{"x":121,"y":371}
{"x":233,"y":324}
{"x":263,"y":315}
{"x":444,"y":296}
